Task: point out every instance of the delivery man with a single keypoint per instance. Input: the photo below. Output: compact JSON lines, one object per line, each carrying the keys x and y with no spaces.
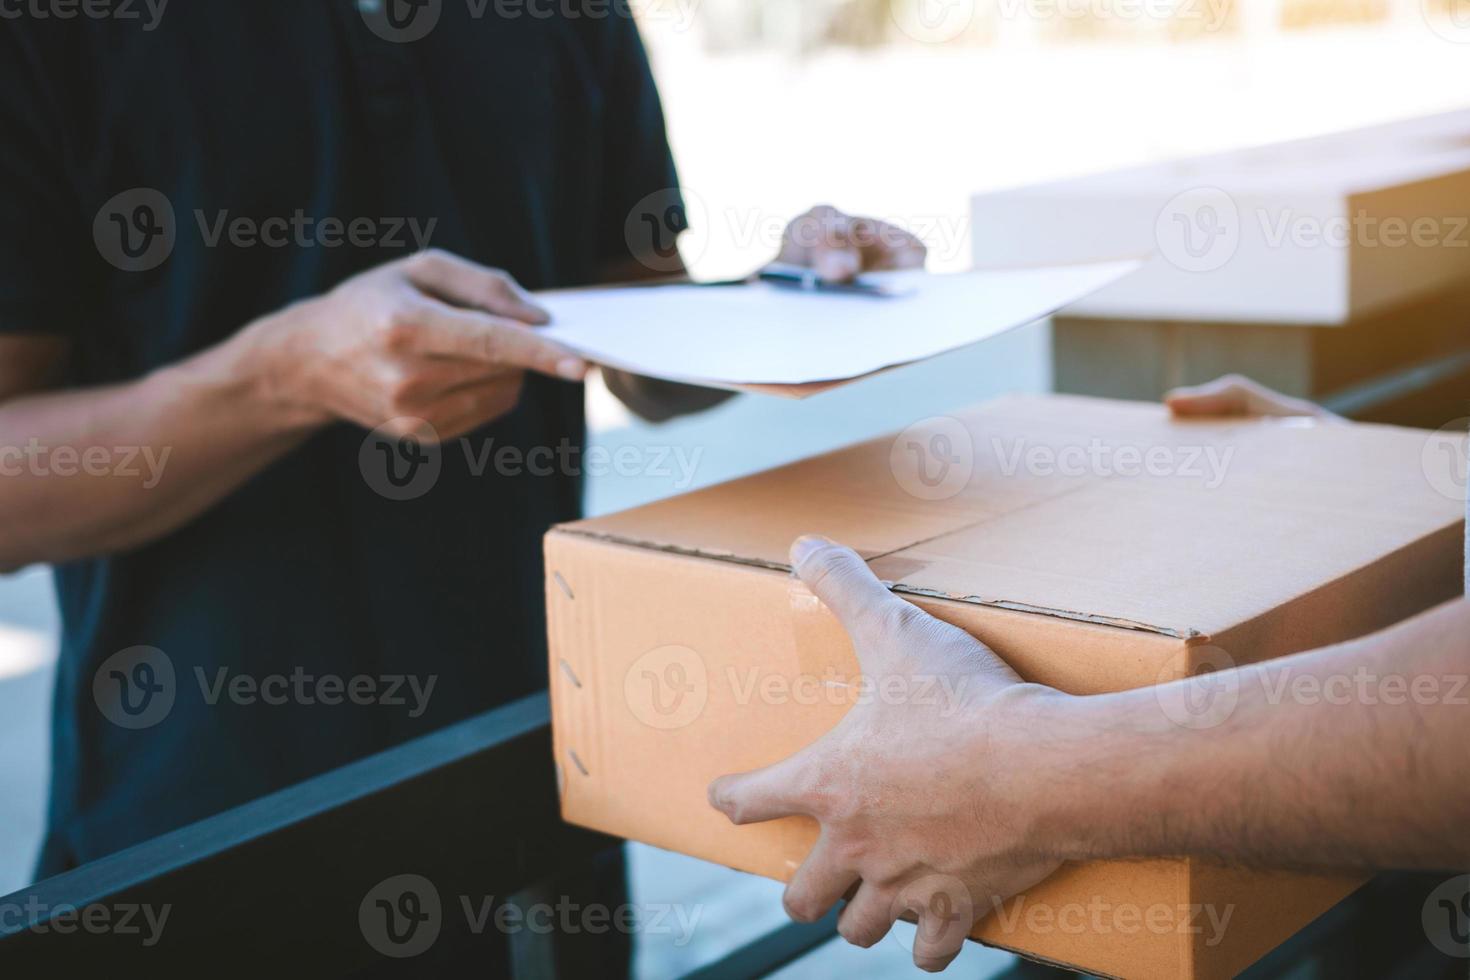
{"x":236,"y":239}
{"x":947,"y":817}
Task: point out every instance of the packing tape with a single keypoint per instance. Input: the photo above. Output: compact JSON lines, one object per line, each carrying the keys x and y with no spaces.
{"x":811,"y":629}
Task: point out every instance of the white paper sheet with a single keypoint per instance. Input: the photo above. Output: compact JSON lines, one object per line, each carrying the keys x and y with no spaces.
{"x":766,"y":334}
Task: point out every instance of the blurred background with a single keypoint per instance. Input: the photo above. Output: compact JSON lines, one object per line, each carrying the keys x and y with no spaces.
{"x":901,"y":109}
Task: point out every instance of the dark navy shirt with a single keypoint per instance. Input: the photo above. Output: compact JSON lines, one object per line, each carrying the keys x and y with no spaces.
{"x":525,"y":140}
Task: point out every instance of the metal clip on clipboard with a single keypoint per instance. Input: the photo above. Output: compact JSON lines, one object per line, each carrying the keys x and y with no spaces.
{"x":805,"y":278}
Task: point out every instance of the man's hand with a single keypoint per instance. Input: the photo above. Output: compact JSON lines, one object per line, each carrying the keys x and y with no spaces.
{"x":840,"y":246}
{"x":432,"y":337}
{"x":947,"y":811}
{"x":837,"y":245}
{"x":924,"y":808}
{"x":1236,"y":394}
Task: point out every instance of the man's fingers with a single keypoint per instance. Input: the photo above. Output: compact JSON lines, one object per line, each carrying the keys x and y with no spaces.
{"x":945,"y":912}
{"x":840,"y":246}
{"x":1223,"y":396}
{"x":817,"y":885}
{"x":868,"y":916}
{"x":822,"y":239}
{"x":1189,"y":404}
{"x":467,"y":408}
{"x":432,"y":328}
{"x":887,"y":246}
{"x":841,"y":579}
{"x":465,"y":283}
{"x":764,"y":794}
{"x":428,"y":379}
{"x":937,"y":942}
{"x":837,"y":263}
{"x":1236,"y":394}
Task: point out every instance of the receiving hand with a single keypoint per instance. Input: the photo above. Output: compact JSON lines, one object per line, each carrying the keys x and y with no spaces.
{"x":924,"y":808}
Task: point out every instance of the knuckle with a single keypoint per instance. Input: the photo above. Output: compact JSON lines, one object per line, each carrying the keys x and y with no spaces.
{"x":499,"y":287}
{"x":807,"y":783}
{"x":392,"y":375}
{"x":894,"y":618}
{"x":398,"y":328}
{"x":836,"y":809}
{"x":425,"y":260}
{"x":853,"y":851}
{"x":493,"y":344}
{"x":867,"y":233}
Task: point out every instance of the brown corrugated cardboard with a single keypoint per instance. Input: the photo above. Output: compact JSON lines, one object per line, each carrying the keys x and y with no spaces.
{"x":1157,"y":544}
{"x":1323,"y":230}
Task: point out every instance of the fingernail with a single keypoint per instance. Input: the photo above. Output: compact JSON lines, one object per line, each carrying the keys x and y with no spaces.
{"x":806,"y":546}
{"x":536,"y":315}
{"x":572,"y":368}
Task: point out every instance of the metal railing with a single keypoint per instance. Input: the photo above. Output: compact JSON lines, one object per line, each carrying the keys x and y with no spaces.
{"x":273,"y":885}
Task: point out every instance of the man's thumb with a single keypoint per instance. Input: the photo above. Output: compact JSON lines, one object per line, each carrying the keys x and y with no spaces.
{"x":838,"y":577}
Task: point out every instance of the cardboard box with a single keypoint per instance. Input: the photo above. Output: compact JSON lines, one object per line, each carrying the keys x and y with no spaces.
{"x":1314,"y":231}
{"x":1097,"y":546}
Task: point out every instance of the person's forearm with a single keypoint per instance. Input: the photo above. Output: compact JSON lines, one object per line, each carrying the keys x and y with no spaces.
{"x":93,"y":471}
{"x":1353,"y":756}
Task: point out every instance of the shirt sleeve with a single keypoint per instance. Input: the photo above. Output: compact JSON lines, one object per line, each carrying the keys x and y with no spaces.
{"x":45,"y":240}
{"x":640,"y":184}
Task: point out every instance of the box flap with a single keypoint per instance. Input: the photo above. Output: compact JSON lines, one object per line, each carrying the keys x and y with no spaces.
{"x":1088,"y":509}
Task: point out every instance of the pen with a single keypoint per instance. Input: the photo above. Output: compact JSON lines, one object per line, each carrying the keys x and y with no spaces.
{"x":807,"y":279}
